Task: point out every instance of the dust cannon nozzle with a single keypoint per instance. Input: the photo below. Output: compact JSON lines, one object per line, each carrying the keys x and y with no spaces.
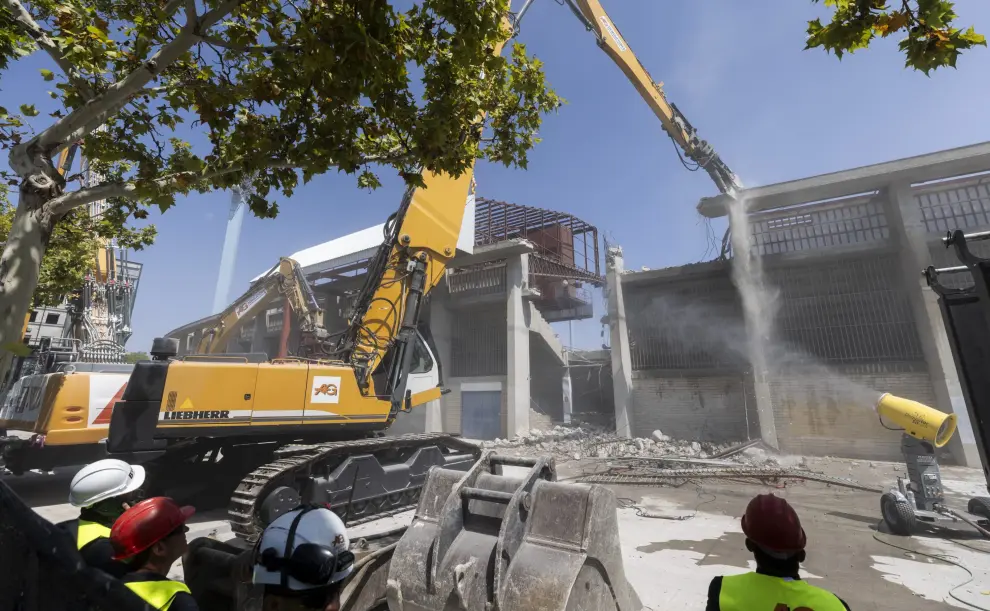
{"x":917,"y":419}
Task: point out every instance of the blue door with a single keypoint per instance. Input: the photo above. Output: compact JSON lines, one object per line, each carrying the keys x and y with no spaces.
{"x":481,"y":414}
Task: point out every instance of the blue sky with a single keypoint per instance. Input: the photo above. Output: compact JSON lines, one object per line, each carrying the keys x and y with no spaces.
{"x":736,"y":70}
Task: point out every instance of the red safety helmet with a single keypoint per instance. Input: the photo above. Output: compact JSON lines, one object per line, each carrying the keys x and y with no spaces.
{"x":772,"y":523}
{"x":145,"y":524}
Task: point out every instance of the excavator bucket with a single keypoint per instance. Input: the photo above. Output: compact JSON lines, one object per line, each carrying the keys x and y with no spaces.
{"x":489,"y":541}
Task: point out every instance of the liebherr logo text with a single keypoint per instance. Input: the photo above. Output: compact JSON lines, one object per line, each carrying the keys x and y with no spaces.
{"x":197,"y":415}
{"x":612,"y":32}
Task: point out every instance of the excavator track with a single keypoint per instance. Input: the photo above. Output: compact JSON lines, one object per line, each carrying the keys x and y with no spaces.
{"x":361,"y":479}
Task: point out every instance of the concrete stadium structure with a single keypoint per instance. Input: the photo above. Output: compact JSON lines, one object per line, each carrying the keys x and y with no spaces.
{"x":517,"y":269}
{"x":854,"y":318}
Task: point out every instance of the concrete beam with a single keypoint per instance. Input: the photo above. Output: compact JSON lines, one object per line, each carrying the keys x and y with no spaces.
{"x":667,"y":274}
{"x":493,"y":252}
{"x":517,"y":346}
{"x":933,"y":166}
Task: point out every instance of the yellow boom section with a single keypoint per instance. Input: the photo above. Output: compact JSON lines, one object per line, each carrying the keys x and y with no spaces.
{"x":428,"y":235}
{"x":284,"y":279}
{"x":674,"y":123}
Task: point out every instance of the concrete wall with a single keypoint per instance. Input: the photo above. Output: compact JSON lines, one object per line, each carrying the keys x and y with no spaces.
{"x":545,"y":387}
{"x":686,"y":406}
{"x":854,"y":320}
{"x":817,"y":414}
{"x":591,"y":388}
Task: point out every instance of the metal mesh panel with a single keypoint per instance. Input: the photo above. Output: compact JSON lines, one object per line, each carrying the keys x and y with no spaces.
{"x":478,"y":343}
{"x":677,"y":325}
{"x":956,"y":205}
{"x":857,"y":221}
{"x":488,"y":280}
{"x":846,"y":310}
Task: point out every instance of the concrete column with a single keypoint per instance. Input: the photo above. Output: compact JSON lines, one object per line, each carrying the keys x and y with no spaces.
{"x":567,"y":391}
{"x":621,"y":358}
{"x":517,"y":347}
{"x":908,"y":232}
{"x":441,"y":327}
{"x":761,"y":392}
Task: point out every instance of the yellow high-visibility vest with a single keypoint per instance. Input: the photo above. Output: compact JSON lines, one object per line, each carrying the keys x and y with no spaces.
{"x":89,"y":532}
{"x":756,"y":592}
{"x":158,"y":594}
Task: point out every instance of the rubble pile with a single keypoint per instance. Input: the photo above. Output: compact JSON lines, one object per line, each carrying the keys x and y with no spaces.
{"x":588,"y":441}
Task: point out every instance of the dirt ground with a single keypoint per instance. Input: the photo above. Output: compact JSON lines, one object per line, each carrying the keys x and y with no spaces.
{"x":671,"y":559}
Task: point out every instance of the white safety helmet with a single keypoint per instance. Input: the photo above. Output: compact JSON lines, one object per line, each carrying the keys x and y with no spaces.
{"x":104,"y":479}
{"x":304,"y":549}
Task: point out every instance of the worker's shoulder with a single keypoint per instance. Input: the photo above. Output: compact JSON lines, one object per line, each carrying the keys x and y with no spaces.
{"x":714,"y":592}
{"x":68,"y":524}
{"x":183,"y":601}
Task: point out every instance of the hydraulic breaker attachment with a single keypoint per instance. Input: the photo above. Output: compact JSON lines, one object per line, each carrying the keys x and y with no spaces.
{"x":493,"y":542}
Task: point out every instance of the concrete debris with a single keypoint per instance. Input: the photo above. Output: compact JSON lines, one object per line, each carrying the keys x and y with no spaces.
{"x":567,"y":443}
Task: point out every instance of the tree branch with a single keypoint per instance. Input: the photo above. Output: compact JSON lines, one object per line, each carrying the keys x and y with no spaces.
{"x":67,"y":202}
{"x":171,"y":7}
{"x":46,"y":44}
{"x":223,"y":44}
{"x":80,"y":122}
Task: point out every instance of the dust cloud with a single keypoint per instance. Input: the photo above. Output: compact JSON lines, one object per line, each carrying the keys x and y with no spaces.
{"x":689,"y":326}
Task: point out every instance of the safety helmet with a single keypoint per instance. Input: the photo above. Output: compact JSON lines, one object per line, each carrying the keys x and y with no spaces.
{"x":771,"y":523}
{"x":145,"y":524}
{"x":104,"y":479}
{"x":303,"y":549}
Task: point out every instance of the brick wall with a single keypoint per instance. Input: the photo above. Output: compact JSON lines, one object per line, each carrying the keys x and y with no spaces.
{"x":825,"y":415}
{"x":695,"y":407}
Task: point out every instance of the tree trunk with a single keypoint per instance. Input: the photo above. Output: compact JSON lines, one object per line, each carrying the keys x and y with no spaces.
{"x":20,"y":264}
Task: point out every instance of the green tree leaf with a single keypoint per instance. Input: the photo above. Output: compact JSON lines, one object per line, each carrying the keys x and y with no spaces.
{"x":48,"y":75}
{"x":931,"y":41}
{"x":135,"y":357}
{"x":274,"y":92}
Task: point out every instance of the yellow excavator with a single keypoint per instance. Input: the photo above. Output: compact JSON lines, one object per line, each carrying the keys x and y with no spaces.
{"x":54,"y":408}
{"x":286,"y":279}
{"x":312,"y":428}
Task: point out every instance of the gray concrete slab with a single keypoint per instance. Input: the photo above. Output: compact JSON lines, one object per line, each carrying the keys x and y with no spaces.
{"x":922,"y":168}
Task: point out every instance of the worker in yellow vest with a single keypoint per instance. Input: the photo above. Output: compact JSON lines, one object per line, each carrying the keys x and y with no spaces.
{"x":103,"y":491}
{"x":152,"y":536}
{"x":774,"y":535}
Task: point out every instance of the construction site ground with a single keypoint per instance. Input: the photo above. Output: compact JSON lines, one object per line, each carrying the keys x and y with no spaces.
{"x":671,"y":561}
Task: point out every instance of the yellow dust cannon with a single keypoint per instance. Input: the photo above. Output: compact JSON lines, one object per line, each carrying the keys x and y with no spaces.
{"x":920,"y":498}
{"x":917,"y":419}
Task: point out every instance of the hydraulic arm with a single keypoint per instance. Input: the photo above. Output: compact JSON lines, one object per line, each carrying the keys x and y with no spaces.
{"x":421,"y":237}
{"x":591,"y":13}
{"x":287,"y":279}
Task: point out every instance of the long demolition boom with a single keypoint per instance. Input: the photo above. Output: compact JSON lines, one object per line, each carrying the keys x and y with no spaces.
{"x":421,"y":237}
{"x":594,"y":17}
{"x":286,"y":279}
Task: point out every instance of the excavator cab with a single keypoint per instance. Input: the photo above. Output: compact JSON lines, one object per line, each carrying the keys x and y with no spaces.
{"x":425,"y":372}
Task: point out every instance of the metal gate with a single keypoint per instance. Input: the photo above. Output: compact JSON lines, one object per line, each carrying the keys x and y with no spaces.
{"x":481,"y":414}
